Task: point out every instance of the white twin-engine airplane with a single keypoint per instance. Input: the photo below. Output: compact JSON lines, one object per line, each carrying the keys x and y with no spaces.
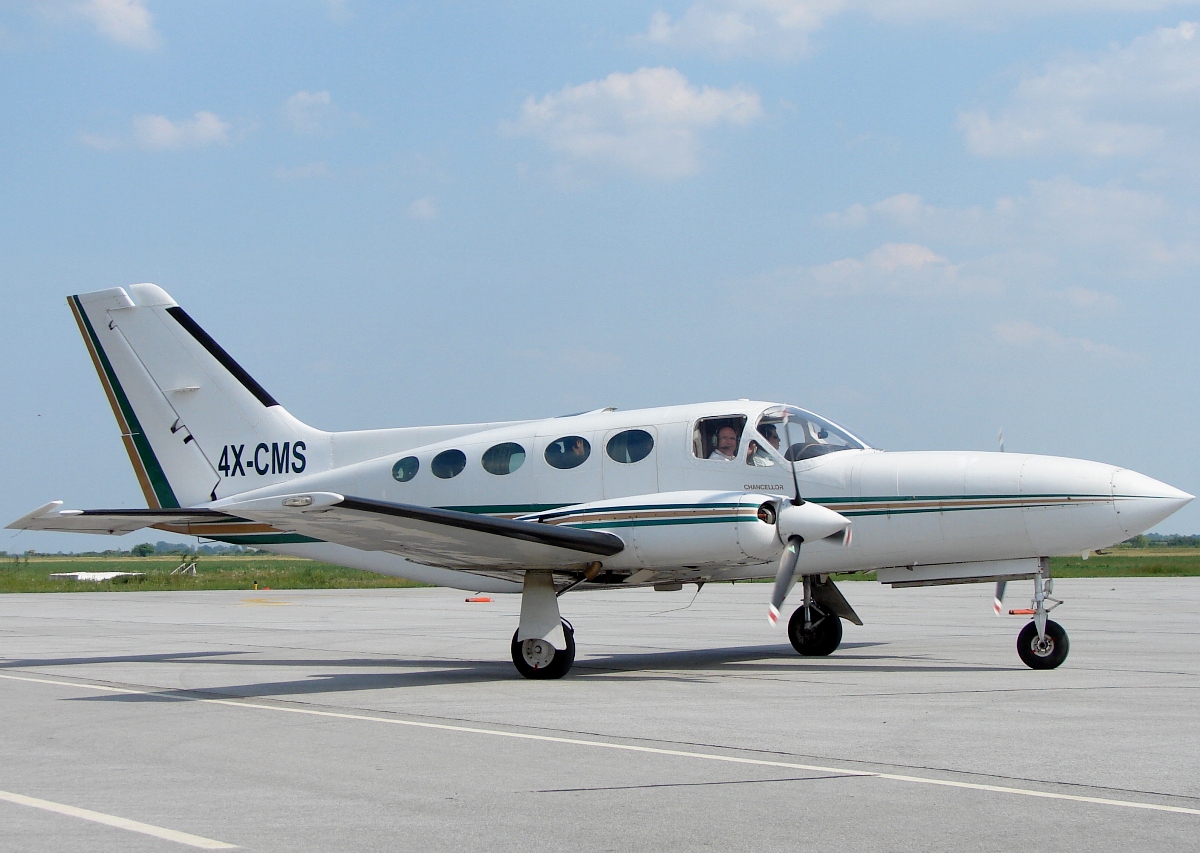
{"x":603,"y":500}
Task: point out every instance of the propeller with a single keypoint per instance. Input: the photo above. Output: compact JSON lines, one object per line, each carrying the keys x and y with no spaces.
{"x":998,"y":601}
{"x":799,"y":521}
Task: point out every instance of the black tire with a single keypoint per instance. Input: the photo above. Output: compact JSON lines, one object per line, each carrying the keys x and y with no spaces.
{"x":821,"y":639}
{"x":557,"y":667}
{"x":1043,"y":655}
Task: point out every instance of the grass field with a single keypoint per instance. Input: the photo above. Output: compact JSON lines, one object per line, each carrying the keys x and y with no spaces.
{"x":243,"y":572}
{"x":233,"y":572}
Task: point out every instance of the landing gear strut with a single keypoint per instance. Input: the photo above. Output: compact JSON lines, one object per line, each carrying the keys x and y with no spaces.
{"x":814,"y":630}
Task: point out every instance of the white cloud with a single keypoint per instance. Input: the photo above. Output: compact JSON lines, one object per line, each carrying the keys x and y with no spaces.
{"x":424,"y":208}
{"x":1022,"y":333}
{"x":298,"y":173}
{"x":159,"y":133}
{"x":315,"y":113}
{"x":1134,"y":100}
{"x":782,"y":28}
{"x":1110,"y":227}
{"x":736,"y":27}
{"x":647,"y":122}
{"x":126,"y":22}
{"x":901,"y":269}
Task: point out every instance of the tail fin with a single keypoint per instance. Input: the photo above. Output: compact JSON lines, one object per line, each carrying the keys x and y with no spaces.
{"x":195,"y":424}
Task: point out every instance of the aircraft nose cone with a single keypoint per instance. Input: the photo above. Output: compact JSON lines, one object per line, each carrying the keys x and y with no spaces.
{"x":1142,"y":502}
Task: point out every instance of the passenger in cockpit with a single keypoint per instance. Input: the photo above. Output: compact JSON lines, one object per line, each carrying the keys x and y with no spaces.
{"x":727,"y":444}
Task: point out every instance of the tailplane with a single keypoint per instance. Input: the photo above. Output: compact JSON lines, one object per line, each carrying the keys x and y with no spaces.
{"x":196,"y":425}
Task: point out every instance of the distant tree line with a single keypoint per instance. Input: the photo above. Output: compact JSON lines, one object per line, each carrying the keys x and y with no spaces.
{"x":144,"y":549}
{"x":1163,"y":540}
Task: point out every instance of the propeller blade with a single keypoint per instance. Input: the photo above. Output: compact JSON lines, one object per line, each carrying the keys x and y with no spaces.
{"x":810,"y":522}
{"x":783,"y":580}
{"x":998,"y":602}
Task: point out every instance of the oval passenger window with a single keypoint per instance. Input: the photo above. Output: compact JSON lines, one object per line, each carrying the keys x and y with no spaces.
{"x":448,"y":463}
{"x":570,"y":451}
{"x":633,"y":445}
{"x":406,"y":468}
{"x":504,"y":458}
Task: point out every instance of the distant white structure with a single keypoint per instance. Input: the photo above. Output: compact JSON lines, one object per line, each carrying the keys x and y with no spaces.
{"x":96,"y":577}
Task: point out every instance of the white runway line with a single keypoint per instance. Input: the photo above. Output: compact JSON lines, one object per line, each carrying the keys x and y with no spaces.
{"x":118,"y":822}
{"x":650,"y":750}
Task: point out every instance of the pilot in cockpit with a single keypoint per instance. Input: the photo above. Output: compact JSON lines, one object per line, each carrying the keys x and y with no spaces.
{"x":727,"y":444}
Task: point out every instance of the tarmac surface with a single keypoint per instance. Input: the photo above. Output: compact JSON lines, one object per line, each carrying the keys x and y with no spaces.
{"x":394,"y":720}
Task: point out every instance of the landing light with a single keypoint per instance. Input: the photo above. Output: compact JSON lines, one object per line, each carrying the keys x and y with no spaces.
{"x":300,"y":500}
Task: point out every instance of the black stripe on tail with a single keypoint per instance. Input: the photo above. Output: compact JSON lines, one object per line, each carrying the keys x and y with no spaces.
{"x":226,"y":360}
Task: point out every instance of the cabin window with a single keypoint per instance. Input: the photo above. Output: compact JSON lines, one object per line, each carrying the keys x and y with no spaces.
{"x":570,"y":451}
{"x":632,"y":445}
{"x":718,"y":438}
{"x":406,"y":468}
{"x":504,"y":458}
{"x":448,"y":463}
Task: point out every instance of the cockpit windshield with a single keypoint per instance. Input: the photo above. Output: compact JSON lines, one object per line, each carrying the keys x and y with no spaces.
{"x":799,"y":435}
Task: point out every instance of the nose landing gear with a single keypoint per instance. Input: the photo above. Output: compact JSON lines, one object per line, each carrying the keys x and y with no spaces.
{"x":1042,"y":644}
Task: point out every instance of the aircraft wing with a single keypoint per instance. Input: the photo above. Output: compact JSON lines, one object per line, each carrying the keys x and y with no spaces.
{"x":435,"y":537}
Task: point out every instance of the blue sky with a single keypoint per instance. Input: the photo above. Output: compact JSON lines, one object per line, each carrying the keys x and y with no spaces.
{"x":925,"y":219}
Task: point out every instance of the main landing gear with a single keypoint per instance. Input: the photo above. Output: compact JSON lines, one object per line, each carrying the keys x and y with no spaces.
{"x":544,"y":645}
{"x":815,"y":629}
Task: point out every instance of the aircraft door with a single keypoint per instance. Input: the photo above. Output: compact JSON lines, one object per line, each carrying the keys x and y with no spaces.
{"x":629,"y":462}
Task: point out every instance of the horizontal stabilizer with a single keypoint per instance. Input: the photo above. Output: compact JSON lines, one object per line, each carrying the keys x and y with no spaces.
{"x":115,"y":522}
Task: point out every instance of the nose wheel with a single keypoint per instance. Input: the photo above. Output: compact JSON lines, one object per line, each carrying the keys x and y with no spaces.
{"x":536,"y":658}
{"x":1044,"y":651}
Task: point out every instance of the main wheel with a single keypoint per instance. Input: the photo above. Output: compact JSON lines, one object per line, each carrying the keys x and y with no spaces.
{"x":1043,"y":653}
{"x":821,"y":638}
{"x":538,"y":659}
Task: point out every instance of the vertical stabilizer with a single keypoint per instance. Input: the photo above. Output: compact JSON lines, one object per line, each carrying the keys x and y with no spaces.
{"x":196,"y":425}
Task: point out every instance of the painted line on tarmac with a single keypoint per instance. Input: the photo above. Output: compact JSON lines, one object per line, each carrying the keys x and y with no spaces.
{"x":119,"y":822}
{"x":646,"y":750}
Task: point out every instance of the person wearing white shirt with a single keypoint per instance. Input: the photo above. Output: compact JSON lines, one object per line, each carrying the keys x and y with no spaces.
{"x":727,"y":443}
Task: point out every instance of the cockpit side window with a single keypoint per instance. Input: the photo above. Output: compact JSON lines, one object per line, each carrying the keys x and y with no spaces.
{"x":801,"y":435}
{"x":718,"y":438}
{"x":762,"y":448}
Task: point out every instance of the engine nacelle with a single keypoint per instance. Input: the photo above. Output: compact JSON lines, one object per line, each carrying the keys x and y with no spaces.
{"x":673,"y":529}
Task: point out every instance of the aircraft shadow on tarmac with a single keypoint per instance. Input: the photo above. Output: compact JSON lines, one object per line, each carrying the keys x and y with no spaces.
{"x":392,"y":673}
